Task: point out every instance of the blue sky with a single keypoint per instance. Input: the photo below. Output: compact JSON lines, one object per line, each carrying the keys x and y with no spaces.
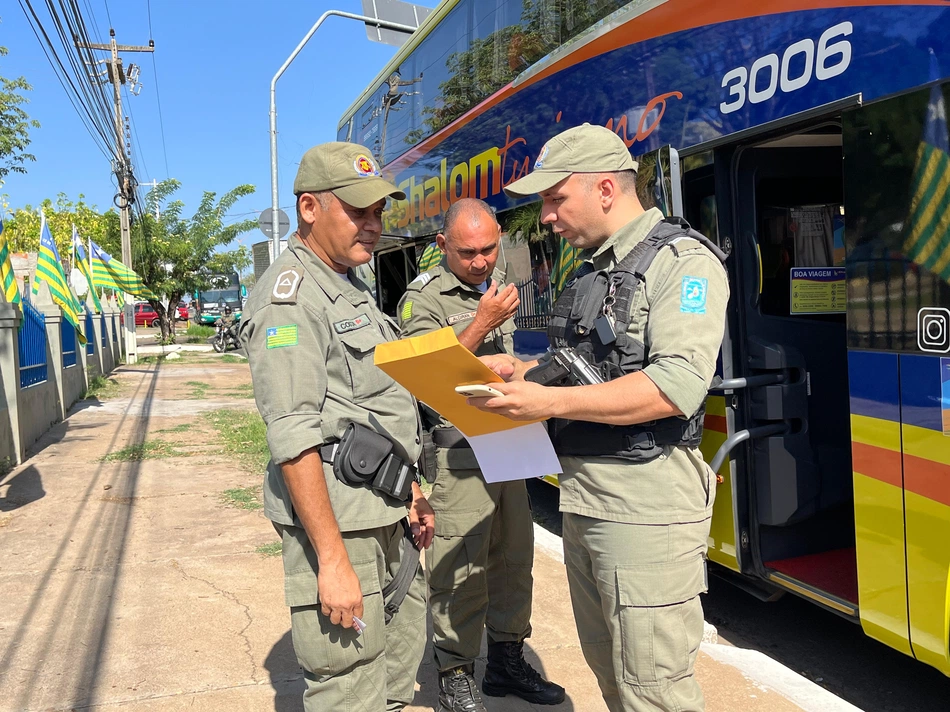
{"x":214,"y":60}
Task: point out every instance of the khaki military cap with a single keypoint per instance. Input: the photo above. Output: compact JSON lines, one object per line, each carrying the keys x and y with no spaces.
{"x":348,"y":170}
{"x":582,"y":149}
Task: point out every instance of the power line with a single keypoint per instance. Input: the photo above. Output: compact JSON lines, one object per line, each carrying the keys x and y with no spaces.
{"x":108,"y":16}
{"x":158,"y":94}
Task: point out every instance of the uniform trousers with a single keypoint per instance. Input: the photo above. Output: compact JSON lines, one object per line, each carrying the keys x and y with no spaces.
{"x":635,"y":594}
{"x":371,"y":672}
{"x":480,"y":561}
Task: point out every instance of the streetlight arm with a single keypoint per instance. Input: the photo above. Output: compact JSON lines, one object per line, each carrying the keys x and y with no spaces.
{"x":385,"y":24}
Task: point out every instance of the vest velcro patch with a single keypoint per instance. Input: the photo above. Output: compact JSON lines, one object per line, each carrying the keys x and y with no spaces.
{"x":424,"y":278}
{"x":463,"y":316}
{"x":341,"y":327}
{"x":278,"y":336}
{"x":286,"y":286}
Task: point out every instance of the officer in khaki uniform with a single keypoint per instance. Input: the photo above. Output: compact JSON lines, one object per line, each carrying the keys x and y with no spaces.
{"x":636,"y":495}
{"x":310,"y":328}
{"x":480,"y":561}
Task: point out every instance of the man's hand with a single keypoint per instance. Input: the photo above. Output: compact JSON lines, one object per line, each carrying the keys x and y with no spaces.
{"x":522,"y":400}
{"x":501,"y":365}
{"x":495,"y":308}
{"x":421,"y":518}
{"x":340,"y":595}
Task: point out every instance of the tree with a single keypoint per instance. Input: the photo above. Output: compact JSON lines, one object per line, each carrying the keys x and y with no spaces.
{"x":21,"y":226}
{"x":15,"y":125}
{"x":177,"y":256}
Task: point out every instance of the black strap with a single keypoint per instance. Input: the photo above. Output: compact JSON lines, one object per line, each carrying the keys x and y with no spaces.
{"x":397,"y":589}
{"x":448,"y":438}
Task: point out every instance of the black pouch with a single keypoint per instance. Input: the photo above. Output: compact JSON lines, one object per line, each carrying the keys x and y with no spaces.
{"x":365,"y":457}
{"x":427,"y":463}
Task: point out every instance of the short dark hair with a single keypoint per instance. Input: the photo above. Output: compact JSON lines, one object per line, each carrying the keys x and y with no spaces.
{"x":626,"y":180}
{"x":467,"y":207}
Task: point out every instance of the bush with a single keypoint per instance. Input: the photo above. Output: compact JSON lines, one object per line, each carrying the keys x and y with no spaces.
{"x":200,"y":330}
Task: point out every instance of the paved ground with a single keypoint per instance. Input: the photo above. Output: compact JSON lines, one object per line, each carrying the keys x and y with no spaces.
{"x":134,"y":585}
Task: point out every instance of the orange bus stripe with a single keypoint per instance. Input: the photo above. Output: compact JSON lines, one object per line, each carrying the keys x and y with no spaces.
{"x":927,"y":478}
{"x":878,"y":463}
{"x":716,"y":422}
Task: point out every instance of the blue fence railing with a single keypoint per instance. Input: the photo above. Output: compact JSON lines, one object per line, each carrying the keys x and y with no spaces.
{"x":90,"y":335}
{"x":105,"y":332}
{"x":32,"y":346}
{"x":68,"y":334}
{"x":115,"y":329}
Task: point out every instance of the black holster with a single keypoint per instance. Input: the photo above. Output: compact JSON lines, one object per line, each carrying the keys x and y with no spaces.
{"x":364,"y":457}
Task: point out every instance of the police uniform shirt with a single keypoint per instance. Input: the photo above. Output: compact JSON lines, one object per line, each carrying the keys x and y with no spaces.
{"x":310,"y":336}
{"x":679,"y":315}
{"x":437,"y":298}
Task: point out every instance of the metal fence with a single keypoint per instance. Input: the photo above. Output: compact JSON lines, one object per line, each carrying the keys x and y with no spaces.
{"x":115,"y":329}
{"x":105,"y":332}
{"x":90,"y":334}
{"x":534,"y":312}
{"x":68,"y":334}
{"x":31,"y":342}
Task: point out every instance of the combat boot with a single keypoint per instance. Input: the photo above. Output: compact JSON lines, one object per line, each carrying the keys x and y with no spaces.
{"x":458,"y":691}
{"x":509,"y":673}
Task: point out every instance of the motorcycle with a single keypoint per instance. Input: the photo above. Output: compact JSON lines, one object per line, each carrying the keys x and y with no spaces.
{"x":225,"y":337}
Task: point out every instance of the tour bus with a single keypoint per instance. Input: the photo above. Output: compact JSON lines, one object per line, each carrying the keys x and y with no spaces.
{"x":808,"y":138}
{"x":226,"y":289}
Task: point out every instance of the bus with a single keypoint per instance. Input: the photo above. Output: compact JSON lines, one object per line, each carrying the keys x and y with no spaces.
{"x":809,"y":140}
{"x":224,"y":288}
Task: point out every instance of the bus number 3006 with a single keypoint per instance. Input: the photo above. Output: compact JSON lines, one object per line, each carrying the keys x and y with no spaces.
{"x":830,"y":60}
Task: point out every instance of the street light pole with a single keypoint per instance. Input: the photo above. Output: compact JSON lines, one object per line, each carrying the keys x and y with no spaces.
{"x":275,"y":229}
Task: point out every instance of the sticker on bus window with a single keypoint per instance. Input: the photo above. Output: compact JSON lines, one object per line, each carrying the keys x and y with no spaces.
{"x":945,"y":393}
{"x":818,"y":290}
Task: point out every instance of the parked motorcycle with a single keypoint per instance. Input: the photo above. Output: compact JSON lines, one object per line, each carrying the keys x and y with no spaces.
{"x":225,"y":336}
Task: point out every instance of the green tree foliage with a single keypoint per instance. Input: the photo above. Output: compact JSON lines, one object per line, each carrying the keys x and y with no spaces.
{"x":178,"y":256}
{"x":15,"y":125}
{"x":21,"y":226}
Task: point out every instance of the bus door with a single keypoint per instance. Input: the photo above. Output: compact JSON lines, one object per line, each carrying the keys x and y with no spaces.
{"x":687,"y":189}
{"x":790,"y":293}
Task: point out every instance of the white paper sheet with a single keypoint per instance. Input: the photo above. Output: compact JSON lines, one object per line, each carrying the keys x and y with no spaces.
{"x":515,"y":454}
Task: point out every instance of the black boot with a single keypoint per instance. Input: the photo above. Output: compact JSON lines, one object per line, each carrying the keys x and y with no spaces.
{"x":509,"y":673}
{"x":458,"y":691}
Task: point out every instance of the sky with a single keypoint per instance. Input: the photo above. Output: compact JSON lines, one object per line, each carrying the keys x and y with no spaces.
{"x":214,"y":61}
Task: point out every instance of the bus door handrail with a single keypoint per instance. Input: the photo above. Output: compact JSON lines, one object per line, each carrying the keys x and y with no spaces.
{"x":735,"y":384}
{"x":760,"y":431}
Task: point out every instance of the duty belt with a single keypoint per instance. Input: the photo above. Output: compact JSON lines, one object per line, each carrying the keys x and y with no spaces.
{"x":448,"y":438}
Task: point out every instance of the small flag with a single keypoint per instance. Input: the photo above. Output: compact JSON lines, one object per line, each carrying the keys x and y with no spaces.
{"x":83,"y":264}
{"x":109,"y":273}
{"x":567,"y":262}
{"x":431,"y":257}
{"x":927,"y":240}
{"x":49,"y":269}
{"x":10,"y":289}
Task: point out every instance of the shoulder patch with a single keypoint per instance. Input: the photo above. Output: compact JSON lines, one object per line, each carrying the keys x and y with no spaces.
{"x":341,"y":327}
{"x":406,"y":311}
{"x":286,"y":286}
{"x":461,"y":316}
{"x":423,"y":279}
{"x":278,"y":336}
{"x":693,"y":295}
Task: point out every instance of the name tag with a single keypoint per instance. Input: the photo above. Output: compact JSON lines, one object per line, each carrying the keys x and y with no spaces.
{"x":463,"y":316}
{"x":341,"y":327}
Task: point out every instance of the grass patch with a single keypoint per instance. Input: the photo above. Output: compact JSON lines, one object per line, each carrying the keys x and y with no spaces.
{"x":275,"y":549}
{"x":103,"y":388}
{"x":198,"y":389}
{"x":149,"y":450}
{"x":200,"y":330}
{"x":180,"y":428}
{"x":244,"y":435}
{"x":228,"y":358}
{"x":6,"y":467}
{"x":242,"y":498}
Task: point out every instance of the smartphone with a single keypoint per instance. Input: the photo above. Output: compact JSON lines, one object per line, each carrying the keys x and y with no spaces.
{"x":478,"y":390}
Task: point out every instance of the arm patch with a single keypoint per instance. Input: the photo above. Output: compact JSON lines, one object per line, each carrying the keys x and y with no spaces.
{"x":286,"y":286}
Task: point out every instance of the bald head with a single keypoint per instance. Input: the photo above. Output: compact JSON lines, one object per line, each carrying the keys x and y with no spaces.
{"x":470,"y":239}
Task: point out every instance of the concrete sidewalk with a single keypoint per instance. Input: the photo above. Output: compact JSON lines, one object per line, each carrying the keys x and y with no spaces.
{"x":137,"y":585}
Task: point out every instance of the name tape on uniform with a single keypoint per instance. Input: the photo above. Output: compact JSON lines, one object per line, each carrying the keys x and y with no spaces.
{"x":341,"y":327}
{"x":462,"y":316}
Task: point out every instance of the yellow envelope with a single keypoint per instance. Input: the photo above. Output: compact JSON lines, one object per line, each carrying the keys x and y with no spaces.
{"x":431,"y":366}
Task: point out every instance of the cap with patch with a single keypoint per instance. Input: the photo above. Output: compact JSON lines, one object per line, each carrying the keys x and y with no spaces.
{"x":582,"y":149}
{"x":348,"y":170}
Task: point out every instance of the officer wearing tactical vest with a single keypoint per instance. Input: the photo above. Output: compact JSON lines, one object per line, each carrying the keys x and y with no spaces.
{"x":480,"y":562}
{"x":341,"y":475}
{"x":647,"y":310}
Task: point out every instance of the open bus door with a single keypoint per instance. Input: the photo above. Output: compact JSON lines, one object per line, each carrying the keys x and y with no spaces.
{"x":689,"y":191}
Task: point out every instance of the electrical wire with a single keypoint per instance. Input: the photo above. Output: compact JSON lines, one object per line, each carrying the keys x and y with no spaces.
{"x":158,"y":94}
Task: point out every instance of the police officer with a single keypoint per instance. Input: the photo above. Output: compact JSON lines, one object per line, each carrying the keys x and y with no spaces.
{"x":647,"y":308}
{"x":335,"y":423}
{"x":480,"y":562}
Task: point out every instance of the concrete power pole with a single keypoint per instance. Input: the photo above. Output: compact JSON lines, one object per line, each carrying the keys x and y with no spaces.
{"x":117,"y":77}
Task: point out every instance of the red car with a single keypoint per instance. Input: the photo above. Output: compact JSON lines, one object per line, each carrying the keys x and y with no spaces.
{"x":146,"y":316}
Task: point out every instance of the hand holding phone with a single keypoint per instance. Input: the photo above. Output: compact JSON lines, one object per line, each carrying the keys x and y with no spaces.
{"x":478,"y":390}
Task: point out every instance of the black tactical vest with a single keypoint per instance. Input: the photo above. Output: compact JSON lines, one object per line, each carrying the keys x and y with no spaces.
{"x":591,"y":316}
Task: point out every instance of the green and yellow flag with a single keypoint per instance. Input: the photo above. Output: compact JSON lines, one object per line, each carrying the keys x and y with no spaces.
{"x":431,"y":257}
{"x":109,"y":273}
{"x":82,"y":262}
{"x":7,"y":280}
{"x":928,"y":229}
{"x":49,"y":269}
{"x":567,"y":262}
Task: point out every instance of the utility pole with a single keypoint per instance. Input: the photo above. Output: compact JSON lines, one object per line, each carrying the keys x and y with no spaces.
{"x":117,"y":76}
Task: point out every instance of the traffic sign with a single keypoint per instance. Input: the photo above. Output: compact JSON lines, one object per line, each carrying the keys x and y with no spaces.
{"x":266,"y":222}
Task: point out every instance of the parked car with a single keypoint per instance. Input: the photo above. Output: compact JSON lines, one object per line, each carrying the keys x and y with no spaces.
{"x":146,"y":316}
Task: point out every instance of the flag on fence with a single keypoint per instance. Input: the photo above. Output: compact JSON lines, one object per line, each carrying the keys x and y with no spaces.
{"x":431,"y":256}
{"x":10,"y":289}
{"x":49,"y":269}
{"x":109,"y":273}
{"x":567,"y":262}
{"x":82,"y":262}
{"x":928,"y":228}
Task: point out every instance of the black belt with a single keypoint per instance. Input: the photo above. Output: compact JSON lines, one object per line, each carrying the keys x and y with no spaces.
{"x":448,"y":438}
